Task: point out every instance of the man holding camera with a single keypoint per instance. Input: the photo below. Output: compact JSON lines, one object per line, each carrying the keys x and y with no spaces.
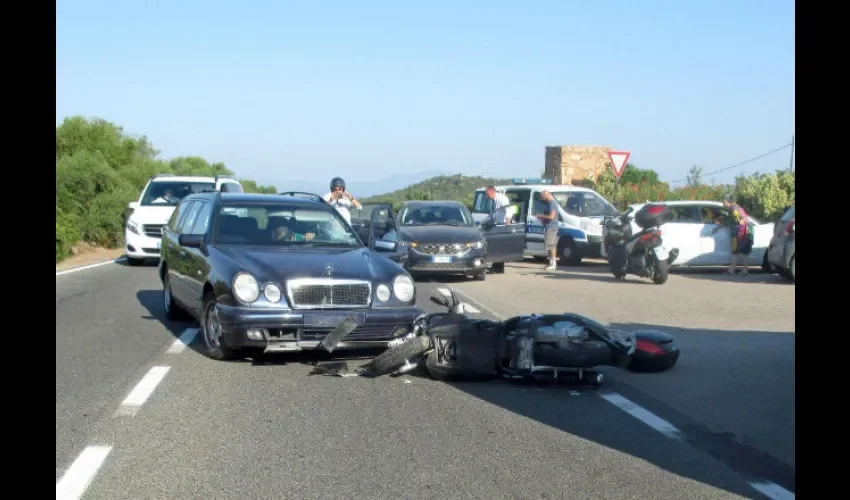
{"x":341,"y":199}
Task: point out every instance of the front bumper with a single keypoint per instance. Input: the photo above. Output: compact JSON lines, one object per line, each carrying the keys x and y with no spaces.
{"x":141,"y":246}
{"x":293,"y":330}
{"x":470,"y":262}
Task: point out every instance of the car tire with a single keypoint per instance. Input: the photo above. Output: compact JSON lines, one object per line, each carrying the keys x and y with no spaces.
{"x":568,"y":252}
{"x":481,"y":276}
{"x":216,"y":345}
{"x":172,"y":310}
{"x":499,"y":267}
{"x":791,"y":272}
{"x":765,"y":264}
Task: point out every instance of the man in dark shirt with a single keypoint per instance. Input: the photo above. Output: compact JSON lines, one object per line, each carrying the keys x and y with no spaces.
{"x":550,"y":219}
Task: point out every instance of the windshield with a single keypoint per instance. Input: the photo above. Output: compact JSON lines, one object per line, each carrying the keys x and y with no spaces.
{"x":435,"y":215}
{"x":584,"y":204}
{"x":282,"y":225}
{"x":165,"y":193}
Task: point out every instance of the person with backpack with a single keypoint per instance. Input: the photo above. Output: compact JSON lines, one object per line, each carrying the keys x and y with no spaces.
{"x":741,"y":233}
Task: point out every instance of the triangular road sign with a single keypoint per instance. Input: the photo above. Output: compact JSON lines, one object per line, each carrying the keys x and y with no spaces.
{"x":618,"y":161}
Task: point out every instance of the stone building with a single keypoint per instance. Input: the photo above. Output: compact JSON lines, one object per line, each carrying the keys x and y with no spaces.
{"x":567,"y":164}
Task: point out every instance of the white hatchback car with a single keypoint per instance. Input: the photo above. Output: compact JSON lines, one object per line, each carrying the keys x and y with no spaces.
{"x":690,"y":230}
{"x":143,"y":231}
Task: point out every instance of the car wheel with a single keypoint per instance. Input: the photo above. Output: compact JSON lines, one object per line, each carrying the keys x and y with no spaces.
{"x":480,"y":276}
{"x":791,"y":271}
{"x":211,"y":328}
{"x":172,"y":311}
{"x":765,"y":264}
{"x":568,"y":252}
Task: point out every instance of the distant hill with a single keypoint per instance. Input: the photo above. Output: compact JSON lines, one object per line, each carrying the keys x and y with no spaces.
{"x":442,"y":187}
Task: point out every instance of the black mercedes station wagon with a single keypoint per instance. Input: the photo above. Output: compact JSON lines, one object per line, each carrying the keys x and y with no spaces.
{"x":276,"y":273}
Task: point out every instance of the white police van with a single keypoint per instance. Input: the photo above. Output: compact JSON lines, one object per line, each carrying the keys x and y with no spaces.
{"x":581,"y":213}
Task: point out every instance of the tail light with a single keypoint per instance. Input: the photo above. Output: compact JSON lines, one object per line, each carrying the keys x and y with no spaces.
{"x":649,"y":347}
{"x":790,"y":227}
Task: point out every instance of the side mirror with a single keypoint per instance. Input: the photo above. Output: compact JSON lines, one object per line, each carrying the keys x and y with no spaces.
{"x":487,"y":224}
{"x":387,"y":246}
{"x":191,"y":240}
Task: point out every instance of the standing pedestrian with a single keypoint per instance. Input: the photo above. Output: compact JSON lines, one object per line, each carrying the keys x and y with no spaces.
{"x":740,"y":232}
{"x":500,"y":200}
{"x":341,"y":199}
{"x":550,"y":219}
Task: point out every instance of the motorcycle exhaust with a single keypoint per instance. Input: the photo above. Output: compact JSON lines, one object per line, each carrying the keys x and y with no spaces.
{"x":674,"y":253}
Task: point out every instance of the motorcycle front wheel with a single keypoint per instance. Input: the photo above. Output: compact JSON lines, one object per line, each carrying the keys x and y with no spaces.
{"x":394,"y":358}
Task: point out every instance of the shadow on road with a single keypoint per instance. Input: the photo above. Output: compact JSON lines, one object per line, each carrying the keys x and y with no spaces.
{"x":745,"y":379}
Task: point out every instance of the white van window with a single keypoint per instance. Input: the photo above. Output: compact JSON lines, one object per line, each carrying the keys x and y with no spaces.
{"x":577,"y":203}
{"x":518,"y":197}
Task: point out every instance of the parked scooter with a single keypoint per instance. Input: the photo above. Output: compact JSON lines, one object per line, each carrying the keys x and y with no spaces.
{"x":537,"y":347}
{"x":642,"y":254}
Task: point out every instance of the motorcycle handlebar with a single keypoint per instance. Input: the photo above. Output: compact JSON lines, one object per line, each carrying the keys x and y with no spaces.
{"x":440,"y":300}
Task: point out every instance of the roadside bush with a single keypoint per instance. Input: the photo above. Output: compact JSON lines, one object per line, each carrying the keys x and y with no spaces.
{"x":99,"y":169}
{"x":765,"y":196}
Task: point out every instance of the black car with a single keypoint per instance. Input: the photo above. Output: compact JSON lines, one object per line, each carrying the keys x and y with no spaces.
{"x":266,"y":272}
{"x":441,"y":237}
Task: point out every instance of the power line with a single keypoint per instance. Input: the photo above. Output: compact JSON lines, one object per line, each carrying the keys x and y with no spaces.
{"x":741,"y":163}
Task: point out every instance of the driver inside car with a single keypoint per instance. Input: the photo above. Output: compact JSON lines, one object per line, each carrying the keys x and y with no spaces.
{"x":282,"y":232}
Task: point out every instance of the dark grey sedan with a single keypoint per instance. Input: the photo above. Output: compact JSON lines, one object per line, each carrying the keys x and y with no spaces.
{"x":781,"y":253}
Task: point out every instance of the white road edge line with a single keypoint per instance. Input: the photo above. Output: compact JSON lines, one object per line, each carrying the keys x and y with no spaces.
{"x":445,"y":291}
{"x":80,"y":474}
{"x":644,"y":415}
{"x":482,"y":306}
{"x":137,"y":397}
{"x":772,"y":490}
{"x":90,"y":266}
{"x":185,"y":339}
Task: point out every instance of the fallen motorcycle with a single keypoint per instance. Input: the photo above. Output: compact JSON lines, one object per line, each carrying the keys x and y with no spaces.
{"x":538,"y":347}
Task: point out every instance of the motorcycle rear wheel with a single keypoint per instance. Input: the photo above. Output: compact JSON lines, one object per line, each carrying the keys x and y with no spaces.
{"x":662,"y":268}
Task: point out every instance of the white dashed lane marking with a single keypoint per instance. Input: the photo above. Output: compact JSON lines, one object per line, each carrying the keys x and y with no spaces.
{"x":466,"y":305}
{"x":137,"y":397}
{"x":184,"y":340}
{"x":78,"y":477}
{"x":644,"y":415}
{"x":772,"y":490}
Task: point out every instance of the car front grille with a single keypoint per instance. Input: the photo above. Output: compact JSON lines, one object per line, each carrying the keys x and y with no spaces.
{"x":153,"y":230}
{"x":310,"y":293}
{"x":441,"y":248}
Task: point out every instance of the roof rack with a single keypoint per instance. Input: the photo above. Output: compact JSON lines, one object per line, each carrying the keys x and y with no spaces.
{"x":303,"y":194}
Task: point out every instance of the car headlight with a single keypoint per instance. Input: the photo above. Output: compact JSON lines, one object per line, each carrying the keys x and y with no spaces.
{"x":383,"y":292}
{"x":476,"y":245}
{"x":133,"y":227}
{"x":246,"y":288}
{"x":272,"y":292}
{"x":403,"y":288}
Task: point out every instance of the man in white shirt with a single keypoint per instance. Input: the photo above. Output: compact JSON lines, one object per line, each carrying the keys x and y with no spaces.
{"x":341,"y":199}
{"x":500,"y":200}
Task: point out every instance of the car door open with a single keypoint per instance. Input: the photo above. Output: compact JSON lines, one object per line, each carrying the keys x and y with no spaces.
{"x":505,"y":236}
{"x":383,"y":237}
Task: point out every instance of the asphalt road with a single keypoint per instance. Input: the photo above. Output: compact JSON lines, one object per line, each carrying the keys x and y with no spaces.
{"x":139,"y":414}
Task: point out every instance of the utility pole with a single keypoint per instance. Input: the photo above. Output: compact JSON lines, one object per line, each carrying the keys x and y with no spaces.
{"x":791,"y":161}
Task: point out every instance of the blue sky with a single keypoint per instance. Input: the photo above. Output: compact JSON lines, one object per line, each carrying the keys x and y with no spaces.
{"x":285,"y":91}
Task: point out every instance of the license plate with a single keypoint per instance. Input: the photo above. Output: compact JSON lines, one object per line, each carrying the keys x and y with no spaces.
{"x":325,"y":320}
{"x":441,"y":259}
